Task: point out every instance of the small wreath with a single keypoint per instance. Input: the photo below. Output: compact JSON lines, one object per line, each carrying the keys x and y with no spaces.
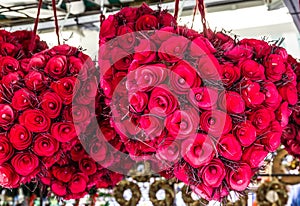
{"x":169,"y":190}
{"x":272,"y":194}
{"x":187,"y":198}
{"x":119,"y":193}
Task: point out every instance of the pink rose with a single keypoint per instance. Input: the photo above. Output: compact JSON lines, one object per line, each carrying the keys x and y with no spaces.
{"x":239,"y":179}
{"x":183,"y":77}
{"x":151,"y":126}
{"x":138,"y":101}
{"x":239,"y":52}
{"x":229,"y":147}
{"x":162,"y":102}
{"x":245,"y":133}
{"x":126,"y":37}
{"x":198,"y":151}
{"x":252,"y":70}
{"x":213,"y":173}
{"x":203,"y":97}
{"x":209,"y":68}
{"x":254,"y":155}
{"x":169,"y":152}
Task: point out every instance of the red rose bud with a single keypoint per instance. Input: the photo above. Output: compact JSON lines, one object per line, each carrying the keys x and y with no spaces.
{"x":57,"y":67}
{"x":215,"y":122}
{"x":203,"y":97}
{"x":245,"y":133}
{"x":6,"y":149}
{"x":162,"y":94}
{"x":229,"y":74}
{"x":19,"y":137}
{"x":45,"y":145}
{"x":239,"y":179}
{"x":78,"y":183}
{"x":8,"y":178}
{"x":146,"y":22}
{"x":63,"y":174}
{"x":25,"y":164}
{"x":229,"y":147}
{"x":35,"y":120}
{"x":173,"y":49}
{"x":275,"y":67}
{"x":252,"y":70}
{"x":231,"y":102}
{"x":199,"y":151}
{"x":59,"y":188}
{"x":183,"y":77}
{"x":87,"y":166}
{"x":254,"y":155}
{"x":213,"y":173}
{"x":166,"y":19}
{"x":63,"y":131}
{"x":23,"y":99}
{"x":7,"y":115}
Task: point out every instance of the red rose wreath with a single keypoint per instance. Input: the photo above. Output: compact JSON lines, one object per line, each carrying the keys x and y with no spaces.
{"x":204,"y":108}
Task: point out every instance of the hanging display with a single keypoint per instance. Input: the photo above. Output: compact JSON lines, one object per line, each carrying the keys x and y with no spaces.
{"x":205,"y":108}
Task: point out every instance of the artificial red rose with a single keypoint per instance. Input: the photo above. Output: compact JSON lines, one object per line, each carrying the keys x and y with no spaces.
{"x":59,"y":188}
{"x":283,"y":113}
{"x":6,"y":149}
{"x":251,"y":94}
{"x":128,"y":14}
{"x":87,"y":92}
{"x":239,"y":178}
{"x":81,"y":115}
{"x":168,"y":151}
{"x":215,"y":122}
{"x":77,"y":152}
{"x":35,"y":120}
{"x":181,"y":172}
{"x":166,"y":19}
{"x":9,"y":178}
{"x":146,"y":22}
{"x":173,"y":49}
{"x":288,"y":93}
{"x":63,"y":131}
{"x":121,"y":59}
{"x":57,"y":67}
{"x":24,"y":65}
{"x":261,"y":118}
{"x":209,"y":68}
{"x":7,"y":115}
{"x":35,"y":81}
{"x":203,"y":97}
{"x":64,"y":173}
{"x":203,"y":191}
{"x":201,"y":46}
{"x":108,"y":132}
{"x":145,"y":52}
{"x":213,"y":173}
{"x":275,"y":67}
{"x":239,"y":52}
{"x":146,"y":77}
{"x":8,"y":64}
{"x":25,"y":164}
{"x":99,"y":150}
{"x":271,"y":138}
{"x":87,"y":166}
{"x":281,"y":52}
{"x":183,"y":77}
{"x":8,"y":49}
{"x":45,"y":145}
{"x":66,"y":88}
{"x":138,"y":101}
{"x":19,"y":137}
{"x":245,"y":133}
{"x":23,"y":99}
{"x":51,"y":104}
{"x":289,"y":132}
{"x":78,"y":67}
{"x":151,"y":126}
{"x":260,"y":47}
{"x":107,"y":88}
{"x":108,"y":28}
{"x":162,"y":102}
{"x":229,"y":147}
{"x":12,"y":81}
{"x":231,"y":102}
{"x":163,"y":34}
{"x":198,"y":151}
{"x":252,"y":70}
{"x":65,"y":50}
{"x":254,"y":155}
{"x":126,"y":37}
{"x":78,"y":183}
{"x":183,"y":123}
{"x":38,"y":61}
{"x":272,"y":97}
{"x":229,"y":73}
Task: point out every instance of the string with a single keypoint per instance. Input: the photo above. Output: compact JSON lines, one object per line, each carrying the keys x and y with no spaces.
{"x":176,"y":9}
{"x":201,"y":7}
{"x":194,"y":14}
{"x":102,"y":17}
{"x":36,"y":22}
{"x":56,"y":21}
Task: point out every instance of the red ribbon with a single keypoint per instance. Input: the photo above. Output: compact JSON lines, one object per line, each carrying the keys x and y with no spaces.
{"x":201,"y":7}
{"x":176,"y":9}
{"x":55,"y":21}
{"x":36,"y":22}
